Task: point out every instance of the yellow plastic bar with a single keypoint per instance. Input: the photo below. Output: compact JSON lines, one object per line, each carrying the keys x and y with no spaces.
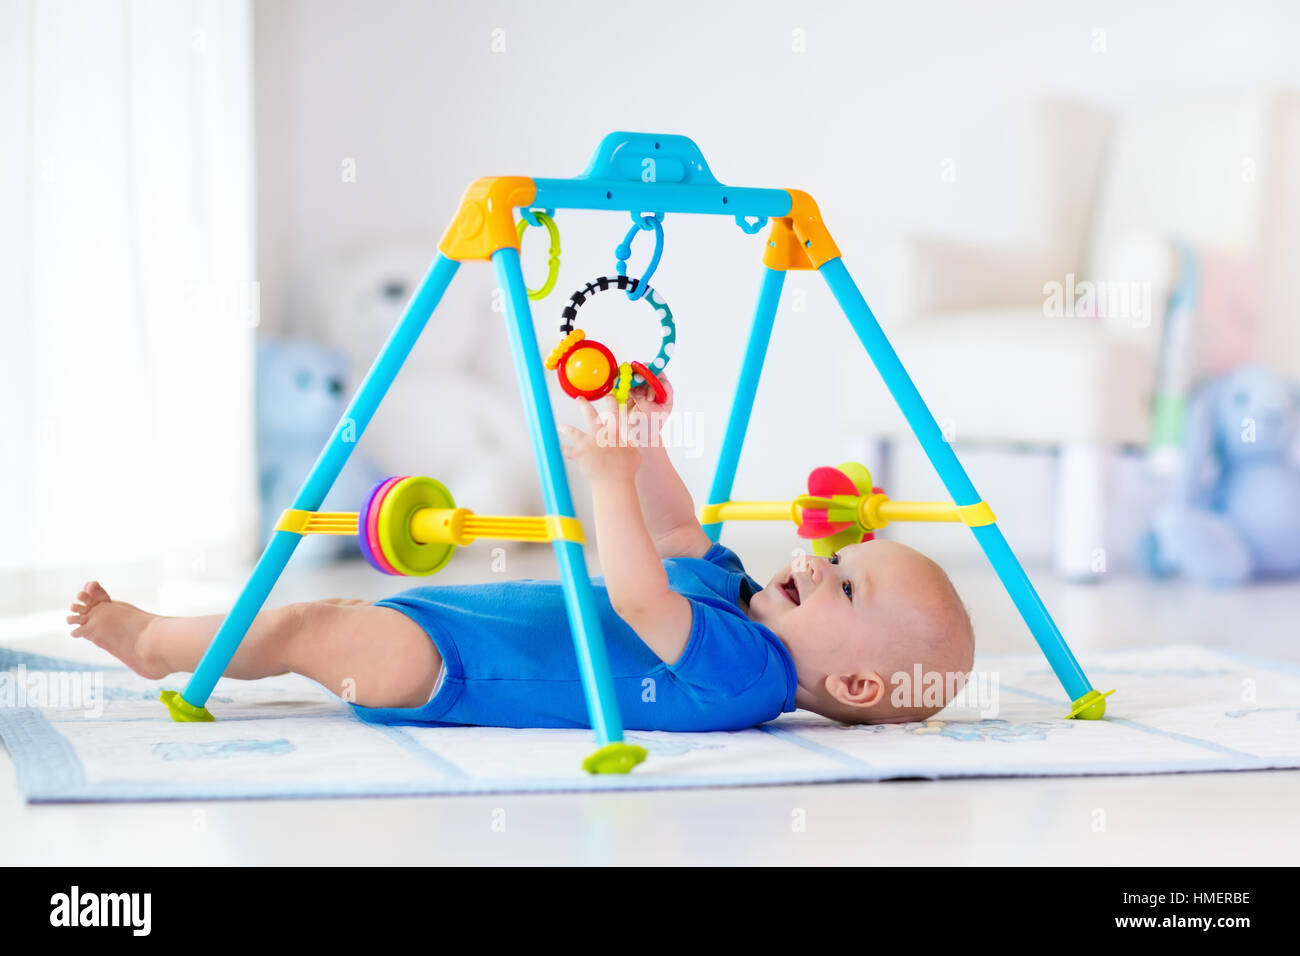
{"x":525,"y":528}
{"x":878,"y":511}
{"x":317,"y":522}
{"x":452,"y":525}
{"x":461,"y":526}
{"x":872,"y":512}
{"x":749,"y":511}
{"x":918,"y":511}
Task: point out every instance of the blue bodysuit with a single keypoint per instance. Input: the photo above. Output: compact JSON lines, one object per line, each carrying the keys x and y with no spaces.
{"x":509,"y":661}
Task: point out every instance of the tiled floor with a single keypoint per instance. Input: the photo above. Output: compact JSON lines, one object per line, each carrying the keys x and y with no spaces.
{"x":1242,"y":818}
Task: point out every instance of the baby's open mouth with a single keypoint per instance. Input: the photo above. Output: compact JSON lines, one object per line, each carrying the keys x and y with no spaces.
{"x":789,"y":589}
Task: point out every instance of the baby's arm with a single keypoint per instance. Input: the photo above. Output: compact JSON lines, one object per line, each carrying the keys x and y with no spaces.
{"x":634,"y":574}
{"x":665,"y":502}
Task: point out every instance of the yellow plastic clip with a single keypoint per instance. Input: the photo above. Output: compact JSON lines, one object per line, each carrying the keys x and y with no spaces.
{"x":564,"y":528}
{"x":976,"y":515}
{"x":317,"y":522}
{"x":293,"y":520}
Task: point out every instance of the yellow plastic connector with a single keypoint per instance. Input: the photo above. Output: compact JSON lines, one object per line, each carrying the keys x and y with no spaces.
{"x":485,"y":221}
{"x":799,"y":240}
{"x":563,"y":528}
{"x":976,"y":515}
{"x":869,"y":515}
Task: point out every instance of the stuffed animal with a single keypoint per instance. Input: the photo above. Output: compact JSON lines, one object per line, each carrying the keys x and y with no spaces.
{"x":1236,"y":513}
{"x":302,"y":390}
{"x":454,"y":413}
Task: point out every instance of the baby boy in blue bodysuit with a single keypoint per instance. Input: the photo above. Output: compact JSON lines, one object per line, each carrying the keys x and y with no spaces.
{"x":694,"y":643}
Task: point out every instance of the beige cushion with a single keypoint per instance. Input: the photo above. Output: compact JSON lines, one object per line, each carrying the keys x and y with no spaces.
{"x":1010,"y":376}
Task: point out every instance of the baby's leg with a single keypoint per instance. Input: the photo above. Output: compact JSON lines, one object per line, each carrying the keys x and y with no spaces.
{"x":373,"y":656}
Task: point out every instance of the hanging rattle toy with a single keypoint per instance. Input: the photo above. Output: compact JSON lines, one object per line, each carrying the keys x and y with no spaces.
{"x":587,"y":368}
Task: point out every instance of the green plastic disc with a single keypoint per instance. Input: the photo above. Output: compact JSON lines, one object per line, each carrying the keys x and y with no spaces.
{"x":403,"y":552}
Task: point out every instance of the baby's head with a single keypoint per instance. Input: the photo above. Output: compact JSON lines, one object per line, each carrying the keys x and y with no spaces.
{"x":855,"y":622}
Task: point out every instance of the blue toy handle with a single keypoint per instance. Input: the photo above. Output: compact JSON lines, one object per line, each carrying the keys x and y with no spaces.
{"x":649,"y":158}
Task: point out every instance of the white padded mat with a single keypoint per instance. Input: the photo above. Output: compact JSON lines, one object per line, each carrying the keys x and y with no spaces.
{"x":102,"y":735}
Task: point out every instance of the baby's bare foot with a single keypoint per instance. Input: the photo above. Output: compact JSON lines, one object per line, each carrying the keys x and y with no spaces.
{"x":118,"y":628}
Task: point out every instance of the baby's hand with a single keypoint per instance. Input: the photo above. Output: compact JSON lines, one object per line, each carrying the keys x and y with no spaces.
{"x":607,"y":450}
{"x":643,"y":400}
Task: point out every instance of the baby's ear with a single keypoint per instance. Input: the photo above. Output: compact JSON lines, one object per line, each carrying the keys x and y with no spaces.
{"x":856,"y":690}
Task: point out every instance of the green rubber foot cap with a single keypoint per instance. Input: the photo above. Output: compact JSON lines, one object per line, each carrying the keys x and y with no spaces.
{"x":614,"y":758}
{"x":1091,"y":706}
{"x":181,"y":710}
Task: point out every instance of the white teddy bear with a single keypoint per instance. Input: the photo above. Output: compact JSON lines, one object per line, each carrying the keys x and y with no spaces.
{"x":454,"y":412}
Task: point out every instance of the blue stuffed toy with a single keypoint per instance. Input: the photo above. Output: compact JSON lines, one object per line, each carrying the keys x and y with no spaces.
{"x":1236,"y":513}
{"x":302,"y":390}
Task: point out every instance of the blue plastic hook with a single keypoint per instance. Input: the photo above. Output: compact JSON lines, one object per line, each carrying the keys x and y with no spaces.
{"x":624,"y":251}
{"x":527,"y":216}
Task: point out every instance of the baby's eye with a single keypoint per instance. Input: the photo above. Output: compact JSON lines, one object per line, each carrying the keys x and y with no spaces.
{"x":848,"y":590}
{"x":835,"y":559}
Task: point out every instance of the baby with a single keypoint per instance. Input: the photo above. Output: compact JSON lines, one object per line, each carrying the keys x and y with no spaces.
{"x":694,"y":643}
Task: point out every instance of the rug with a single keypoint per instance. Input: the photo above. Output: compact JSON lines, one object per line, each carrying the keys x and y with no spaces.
{"x":76,"y":734}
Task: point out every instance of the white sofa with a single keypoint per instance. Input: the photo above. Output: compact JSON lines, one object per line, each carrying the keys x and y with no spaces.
{"x":1220,"y":171}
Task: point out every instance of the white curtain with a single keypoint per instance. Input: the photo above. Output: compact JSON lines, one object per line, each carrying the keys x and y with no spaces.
{"x":128,"y":294}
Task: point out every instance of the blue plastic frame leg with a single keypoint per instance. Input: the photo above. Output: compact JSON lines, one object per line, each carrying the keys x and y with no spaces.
{"x":954,"y":478}
{"x":319,"y":480}
{"x":769,"y":298}
{"x":588,"y":642}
